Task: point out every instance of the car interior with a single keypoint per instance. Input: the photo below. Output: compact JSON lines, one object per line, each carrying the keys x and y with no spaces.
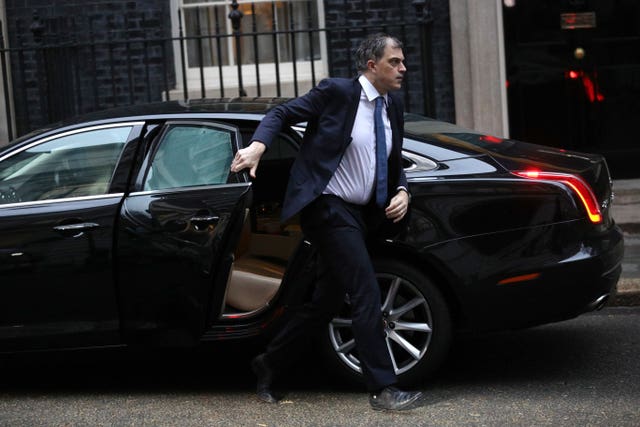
{"x":76,"y":165}
{"x":62,"y":174}
{"x":266,"y":244}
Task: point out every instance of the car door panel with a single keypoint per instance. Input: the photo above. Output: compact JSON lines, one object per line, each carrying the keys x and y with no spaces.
{"x":56,"y":256}
{"x":176,"y":235}
{"x":57,"y":282}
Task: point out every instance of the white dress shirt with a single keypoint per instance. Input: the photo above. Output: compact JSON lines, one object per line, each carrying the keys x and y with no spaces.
{"x":354,"y":180}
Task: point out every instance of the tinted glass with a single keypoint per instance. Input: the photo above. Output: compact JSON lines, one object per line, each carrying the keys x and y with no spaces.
{"x":76,"y":165}
{"x":190,"y":155}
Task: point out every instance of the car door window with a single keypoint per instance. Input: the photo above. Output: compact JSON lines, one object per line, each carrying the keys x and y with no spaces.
{"x":75,"y":165}
{"x":190,"y":155}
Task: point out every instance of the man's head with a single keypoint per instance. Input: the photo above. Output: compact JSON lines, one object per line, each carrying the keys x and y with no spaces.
{"x":379,"y":57}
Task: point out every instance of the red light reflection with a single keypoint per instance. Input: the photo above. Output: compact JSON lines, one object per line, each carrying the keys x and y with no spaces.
{"x":491,"y":139}
{"x":589,"y":84}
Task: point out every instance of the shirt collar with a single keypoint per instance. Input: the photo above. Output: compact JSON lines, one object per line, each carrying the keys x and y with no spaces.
{"x":369,"y":90}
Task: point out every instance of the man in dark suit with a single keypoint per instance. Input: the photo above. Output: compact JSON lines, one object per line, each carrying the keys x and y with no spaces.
{"x":348,"y":183}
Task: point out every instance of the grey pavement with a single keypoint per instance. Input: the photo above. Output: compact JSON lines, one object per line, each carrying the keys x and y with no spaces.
{"x":626,"y":212}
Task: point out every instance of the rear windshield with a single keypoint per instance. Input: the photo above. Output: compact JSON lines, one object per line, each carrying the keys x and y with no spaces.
{"x":427,"y":129}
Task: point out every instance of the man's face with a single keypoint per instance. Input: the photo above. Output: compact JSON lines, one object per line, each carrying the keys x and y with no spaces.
{"x":387,"y":73}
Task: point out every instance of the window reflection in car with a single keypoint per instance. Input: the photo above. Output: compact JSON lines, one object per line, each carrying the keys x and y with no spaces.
{"x":74,"y":165}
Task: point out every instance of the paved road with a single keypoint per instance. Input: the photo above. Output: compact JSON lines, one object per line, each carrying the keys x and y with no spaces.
{"x":629,"y":283}
{"x":583,"y":372}
{"x":631,"y":260}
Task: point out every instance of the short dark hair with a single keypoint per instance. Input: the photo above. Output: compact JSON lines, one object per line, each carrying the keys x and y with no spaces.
{"x":373,"y":48}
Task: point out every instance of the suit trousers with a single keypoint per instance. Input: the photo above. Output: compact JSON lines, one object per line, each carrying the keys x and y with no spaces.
{"x":339,"y":230}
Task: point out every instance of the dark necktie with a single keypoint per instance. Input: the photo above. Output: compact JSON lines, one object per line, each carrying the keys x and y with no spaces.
{"x":381,"y":155}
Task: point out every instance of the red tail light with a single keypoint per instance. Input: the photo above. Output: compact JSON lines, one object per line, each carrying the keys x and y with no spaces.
{"x":576,"y":183}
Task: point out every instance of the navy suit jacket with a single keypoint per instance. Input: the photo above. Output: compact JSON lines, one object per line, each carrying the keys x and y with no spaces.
{"x":329,"y":110}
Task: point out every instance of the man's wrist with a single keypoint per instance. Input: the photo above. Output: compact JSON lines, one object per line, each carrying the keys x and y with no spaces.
{"x":406,"y":190}
{"x":258,"y":145}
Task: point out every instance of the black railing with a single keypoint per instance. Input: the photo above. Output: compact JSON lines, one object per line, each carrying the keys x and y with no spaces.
{"x":49,"y":75}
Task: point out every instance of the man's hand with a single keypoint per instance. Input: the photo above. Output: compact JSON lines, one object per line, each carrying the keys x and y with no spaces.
{"x":248,"y":158}
{"x":398,"y":206}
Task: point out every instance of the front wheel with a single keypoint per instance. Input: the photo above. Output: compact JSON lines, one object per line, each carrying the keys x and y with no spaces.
{"x":416,"y":320}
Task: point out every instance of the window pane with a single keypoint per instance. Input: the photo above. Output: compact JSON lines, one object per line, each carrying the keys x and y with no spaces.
{"x":259,"y":22}
{"x":77,"y":165}
{"x":207,"y":28}
{"x":190,"y":155}
{"x":298,"y":15}
{"x":203,"y":26}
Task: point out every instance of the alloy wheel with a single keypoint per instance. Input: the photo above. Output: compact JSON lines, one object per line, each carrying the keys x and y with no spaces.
{"x":407,"y":319}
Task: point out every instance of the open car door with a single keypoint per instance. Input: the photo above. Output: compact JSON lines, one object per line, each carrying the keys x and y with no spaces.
{"x":177,"y":232}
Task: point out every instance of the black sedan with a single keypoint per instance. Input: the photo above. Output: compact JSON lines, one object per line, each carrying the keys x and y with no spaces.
{"x":126,"y":227}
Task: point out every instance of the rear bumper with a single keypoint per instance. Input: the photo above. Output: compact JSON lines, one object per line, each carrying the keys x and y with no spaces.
{"x":563,"y":290}
{"x":607,"y":291}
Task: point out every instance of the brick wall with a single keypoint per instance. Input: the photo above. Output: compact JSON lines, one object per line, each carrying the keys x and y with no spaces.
{"x":349,"y":21}
{"x":94,"y":66}
{"x":101,"y":61}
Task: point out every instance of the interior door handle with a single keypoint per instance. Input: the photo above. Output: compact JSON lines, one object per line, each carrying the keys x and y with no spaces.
{"x":206,"y":218}
{"x":200,"y":222}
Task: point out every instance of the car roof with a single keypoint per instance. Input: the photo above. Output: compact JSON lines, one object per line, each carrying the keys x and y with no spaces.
{"x":242,"y":106}
{"x":421,"y":128}
{"x":218,"y":105}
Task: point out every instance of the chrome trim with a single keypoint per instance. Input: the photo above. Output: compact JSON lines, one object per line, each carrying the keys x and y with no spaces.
{"x":55,"y":201}
{"x":244,"y":314}
{"x":77,"y":227}
{"x":425,"y":179}
{"x":183,"y":189}
{"x":420,"y":163}
{"x":598,"y":303}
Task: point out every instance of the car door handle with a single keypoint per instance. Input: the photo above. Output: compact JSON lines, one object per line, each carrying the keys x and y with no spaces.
{"x":77,"y":229}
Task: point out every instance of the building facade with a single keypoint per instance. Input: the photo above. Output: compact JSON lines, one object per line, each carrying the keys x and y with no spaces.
{"x":66,"y":58}
{"x":556,"y":72}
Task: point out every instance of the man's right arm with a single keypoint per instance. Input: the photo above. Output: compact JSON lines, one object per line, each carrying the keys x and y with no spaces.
{"x":301,"y":109}
{"x":295,"y":111}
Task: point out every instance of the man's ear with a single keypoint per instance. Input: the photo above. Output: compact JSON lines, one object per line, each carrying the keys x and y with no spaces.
{"x":371,"y":65}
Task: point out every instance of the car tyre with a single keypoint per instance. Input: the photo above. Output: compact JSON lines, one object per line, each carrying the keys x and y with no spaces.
{"x":417,"y":321}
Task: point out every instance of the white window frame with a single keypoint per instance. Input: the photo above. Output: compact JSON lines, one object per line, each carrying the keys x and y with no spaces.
{"x":268,"y":77}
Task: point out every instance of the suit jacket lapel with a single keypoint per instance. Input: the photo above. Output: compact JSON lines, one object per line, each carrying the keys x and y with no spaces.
{"x":393,"y":119}
{"x":352,"y":109}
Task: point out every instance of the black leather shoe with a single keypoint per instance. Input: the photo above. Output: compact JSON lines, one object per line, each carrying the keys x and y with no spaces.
{"x":265,"y":376}
{"x":392,"y":399}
